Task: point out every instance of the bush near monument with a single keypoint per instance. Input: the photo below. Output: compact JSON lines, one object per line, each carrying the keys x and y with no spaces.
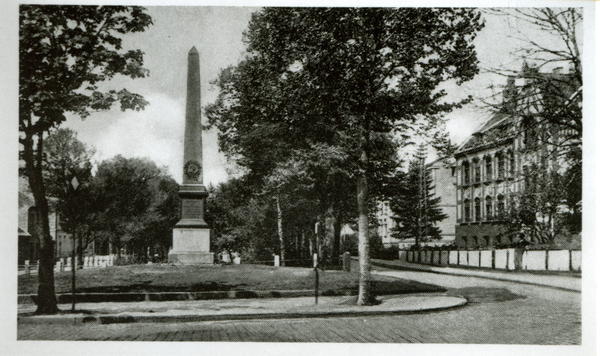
{"x":168,"y":278}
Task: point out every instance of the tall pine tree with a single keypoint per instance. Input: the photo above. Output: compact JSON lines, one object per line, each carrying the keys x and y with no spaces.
{"x":416,"y":210}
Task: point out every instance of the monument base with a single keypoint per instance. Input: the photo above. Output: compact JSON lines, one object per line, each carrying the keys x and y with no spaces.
{"x":191,"y":246}
{"x":191,"y":258}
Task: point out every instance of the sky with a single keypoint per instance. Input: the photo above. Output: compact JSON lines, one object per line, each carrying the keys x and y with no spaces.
{"x":157,"y":131}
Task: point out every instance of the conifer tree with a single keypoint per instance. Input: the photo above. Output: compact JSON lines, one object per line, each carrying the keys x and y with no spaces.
{"x":415,"y":209}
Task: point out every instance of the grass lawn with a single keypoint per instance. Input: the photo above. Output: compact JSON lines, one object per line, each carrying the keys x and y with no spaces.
{"x":168,"y":278}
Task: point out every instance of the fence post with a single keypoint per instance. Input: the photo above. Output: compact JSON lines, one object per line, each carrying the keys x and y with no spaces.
{"x":276,"y":261}
{"x":570,"y":260}
{"x":27,"y":268}
{"x":315,"y":260}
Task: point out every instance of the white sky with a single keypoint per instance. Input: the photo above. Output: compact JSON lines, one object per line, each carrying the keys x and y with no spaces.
{"x":157,"y":131}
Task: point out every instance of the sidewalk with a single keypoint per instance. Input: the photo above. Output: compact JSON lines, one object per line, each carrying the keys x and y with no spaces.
{"x":565,"y":282}
{"x":227,"y":309}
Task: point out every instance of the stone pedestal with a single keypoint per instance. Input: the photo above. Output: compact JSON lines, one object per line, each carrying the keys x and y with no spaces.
{"x":191,"y":246}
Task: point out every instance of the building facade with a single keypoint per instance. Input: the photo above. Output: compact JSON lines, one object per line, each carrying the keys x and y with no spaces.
{"x":495,"y":165}
{"x":486,"y":181}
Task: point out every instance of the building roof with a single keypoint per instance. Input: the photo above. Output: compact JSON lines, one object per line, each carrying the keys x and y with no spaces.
{"x":540,"y":89}
{"x":496,"y":131}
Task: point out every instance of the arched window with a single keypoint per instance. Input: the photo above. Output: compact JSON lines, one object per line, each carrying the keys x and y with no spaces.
{"x":477,"y":168}
{"x":477,"y":209}
{"x":467,"y":207}
{"x":500,"y":206}
{"x":501,"y":167}
{"x":489,"y":213}
{"x":511,"y":159}
{"x":488,"y":168}
{"x":466,"y":173}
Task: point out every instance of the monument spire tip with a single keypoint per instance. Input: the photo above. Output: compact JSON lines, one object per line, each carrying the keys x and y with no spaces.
{"x":193,"y":50}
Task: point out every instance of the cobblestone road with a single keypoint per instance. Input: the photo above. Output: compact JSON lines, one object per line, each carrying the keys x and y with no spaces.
{"x":498,"y":313}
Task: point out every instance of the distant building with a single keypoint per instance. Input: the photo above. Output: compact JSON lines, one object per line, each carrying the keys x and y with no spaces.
{"x":442,"y":172}
{"x":29,"y":241}
{"x":385,"y":224}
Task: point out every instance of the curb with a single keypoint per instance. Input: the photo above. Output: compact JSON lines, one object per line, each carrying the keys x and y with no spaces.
{"x":66,"y":298}
{"x":490,"y":277}
{"x":124,"y":318}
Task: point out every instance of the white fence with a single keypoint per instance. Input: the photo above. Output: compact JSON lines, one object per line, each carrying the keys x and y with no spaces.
{"x":508,"y":259}
{"x":64,"y":264}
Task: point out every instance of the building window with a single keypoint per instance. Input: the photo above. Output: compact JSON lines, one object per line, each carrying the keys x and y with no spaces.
{"x":488,"y":168}
{"x":489,"y":213}
{"x":500,"y":206}
{"x":500,"y":166}
{"x":477,"y":209}
{"x":467,"y":173}
{"x":477,"y":172}
{"x":511,"y":157}
{"x":467,"y":210}
{"x":486,"y":241}
{"x":527,"y":177}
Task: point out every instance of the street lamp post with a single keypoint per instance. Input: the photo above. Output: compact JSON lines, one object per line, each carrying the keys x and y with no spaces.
{"x":74,"y":184}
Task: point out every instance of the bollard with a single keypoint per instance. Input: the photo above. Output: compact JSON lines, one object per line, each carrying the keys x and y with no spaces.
{"x":315,"y":260}
{"x":276,"y":262}
{"x":346,"y":261}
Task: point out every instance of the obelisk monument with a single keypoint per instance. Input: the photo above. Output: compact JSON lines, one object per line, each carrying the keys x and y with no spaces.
{"x":191,"y":235}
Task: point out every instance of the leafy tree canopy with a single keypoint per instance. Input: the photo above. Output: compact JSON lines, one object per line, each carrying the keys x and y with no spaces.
{"x":64,"y":53}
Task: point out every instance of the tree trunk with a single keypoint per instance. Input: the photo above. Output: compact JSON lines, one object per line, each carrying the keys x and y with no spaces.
{"x":329,"y":234}
{"x":362,"y":197}
{"x":332,"y":230}
{"x":336,"y":241}
{"x":280,"y":231}
{"x":46,"y":302}
{"x":80,"y":250}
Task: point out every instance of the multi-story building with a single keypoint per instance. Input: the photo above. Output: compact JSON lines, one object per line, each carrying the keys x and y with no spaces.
{"x":486,"y":171}
{"x":492,"y":166}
